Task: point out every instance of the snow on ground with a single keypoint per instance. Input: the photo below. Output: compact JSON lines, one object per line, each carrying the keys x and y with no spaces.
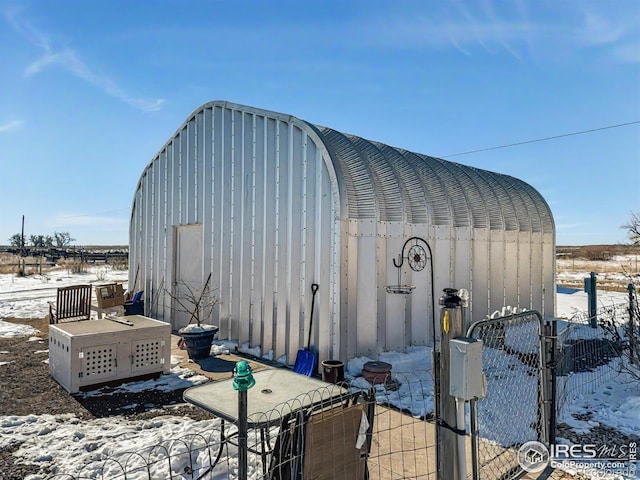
{"x":567,"y":305}
{"x":27,"y":297}
{"x":8,"y":330}
{"x":412,"y":390}
{"x":67,"y":443}
{"x":615,"y":404}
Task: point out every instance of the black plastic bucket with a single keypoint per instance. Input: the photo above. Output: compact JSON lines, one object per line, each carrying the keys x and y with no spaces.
{"x":333,"y":371}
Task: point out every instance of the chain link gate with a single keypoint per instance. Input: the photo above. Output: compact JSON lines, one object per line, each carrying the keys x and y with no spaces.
{"x":513,"y":411}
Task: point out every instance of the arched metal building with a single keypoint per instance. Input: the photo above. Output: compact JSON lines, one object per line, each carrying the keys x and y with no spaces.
{"x":269,"y":204}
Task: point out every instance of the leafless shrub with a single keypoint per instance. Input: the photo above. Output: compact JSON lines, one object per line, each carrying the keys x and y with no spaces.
{"x":197,"y":302}
{"x":596,"y":252}
{"x":8,"y":268}
{"x":73,"y":265}
{"x":119,"y":264}
{"x":101,"y":274}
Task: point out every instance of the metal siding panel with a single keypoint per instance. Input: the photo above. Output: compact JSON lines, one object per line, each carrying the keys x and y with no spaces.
{"x":246,"y":261}
{"x":396,"y":322}
{"x":295,"y":243}
{"x":349,"y":329}
{"x":392,"y":331}
{"x":196,"y":157}
{"x":205,"y":144}
{"x":270,"y":232}
{"x":549,"y":274}
{"x":183,"y":146}
{"x":462,"y":263}
{"x":147,"y":229}
{"x":536,"y":272}
{"x":217,"y":206}
{"x":259,"y":214}
{"x":479,"y":293}
{"x":226,"y":229}
{"x":326,"y":234}
{"x":382,"y":274}
{"x":366,"y":296}
{"x":172,"y":216}
{"x":282,"y":254}
{"x":442,"y":259}
{"x":420,"y":301}
{"x":155,"y":240}
{"x":308,"y":275}
{"x":497,"y":267}
{"x":159,"y":310}
{"x":177,"y":183}
{"x":236,"y":197}
{"x":524,"y":270}
{"x":511,"y":269}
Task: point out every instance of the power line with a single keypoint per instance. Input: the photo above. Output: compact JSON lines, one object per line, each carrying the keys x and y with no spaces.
{"x":541,"y":139}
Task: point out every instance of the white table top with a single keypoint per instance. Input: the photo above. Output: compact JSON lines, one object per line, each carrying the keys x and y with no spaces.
{"x":277,"y":392}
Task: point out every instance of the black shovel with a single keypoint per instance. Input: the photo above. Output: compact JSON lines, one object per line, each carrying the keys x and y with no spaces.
{"x":305,"y":360}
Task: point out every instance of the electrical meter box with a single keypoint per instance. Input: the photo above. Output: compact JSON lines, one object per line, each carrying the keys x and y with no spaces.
{"x":82,"y":354}
{"x":465,"y":375}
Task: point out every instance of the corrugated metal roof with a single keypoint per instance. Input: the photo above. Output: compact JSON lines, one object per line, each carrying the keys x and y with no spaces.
{"x":392,"y":184}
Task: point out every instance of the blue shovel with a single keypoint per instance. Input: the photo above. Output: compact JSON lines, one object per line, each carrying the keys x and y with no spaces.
{"x":305,"y":360}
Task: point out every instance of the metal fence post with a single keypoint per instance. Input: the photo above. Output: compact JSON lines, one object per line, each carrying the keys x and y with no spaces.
{"x":451,"y":326}
{"x":550,"y":345}
{"x":243,"y":380}
{"x":590,"y":288}
{"x":632,"y":312}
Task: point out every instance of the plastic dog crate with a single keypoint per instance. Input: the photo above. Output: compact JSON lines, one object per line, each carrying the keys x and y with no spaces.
{"x":82,"y":354}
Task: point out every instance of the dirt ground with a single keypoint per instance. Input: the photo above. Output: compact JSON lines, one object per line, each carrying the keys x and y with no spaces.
{"x":28,"y":389}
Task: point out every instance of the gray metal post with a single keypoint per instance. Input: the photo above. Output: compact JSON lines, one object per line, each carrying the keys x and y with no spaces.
{"x":632,"y":313}
{"x":451,"y":326}
{"x":473,"y":424}
{"x":590,"y":288}
{"x":550,"y":347}
{"x":243,"y":381}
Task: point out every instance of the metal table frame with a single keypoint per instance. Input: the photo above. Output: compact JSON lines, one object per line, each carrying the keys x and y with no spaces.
{"x":278,"y":396}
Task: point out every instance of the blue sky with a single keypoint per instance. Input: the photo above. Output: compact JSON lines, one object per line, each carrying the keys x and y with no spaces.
{"x":90,"y":91}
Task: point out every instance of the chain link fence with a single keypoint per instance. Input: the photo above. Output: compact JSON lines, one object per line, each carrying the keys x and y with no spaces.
{"x":511,"y":413}
{"x":591,"y":351}
{"x":386,"y":430}
{"x":383,"y":431}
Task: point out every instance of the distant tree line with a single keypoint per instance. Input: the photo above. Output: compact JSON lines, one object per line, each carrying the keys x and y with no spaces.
{"x":57,"y":240}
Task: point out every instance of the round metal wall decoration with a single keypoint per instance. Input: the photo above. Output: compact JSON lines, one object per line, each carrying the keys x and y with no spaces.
{"x":417,"y":258}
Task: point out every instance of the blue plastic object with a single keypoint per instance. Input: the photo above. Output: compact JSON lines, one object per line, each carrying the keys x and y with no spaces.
{"x":305,"y":360}
{"x":137,"y":296}
{"x":305,"y":363}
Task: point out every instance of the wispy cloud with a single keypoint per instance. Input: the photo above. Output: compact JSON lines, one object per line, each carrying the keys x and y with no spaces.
{"x":11,"y":126}
{"x":519,"y":29}
{"x":467,"y":31}
{"x":612,"y":30}
{"x":68,"y":59}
